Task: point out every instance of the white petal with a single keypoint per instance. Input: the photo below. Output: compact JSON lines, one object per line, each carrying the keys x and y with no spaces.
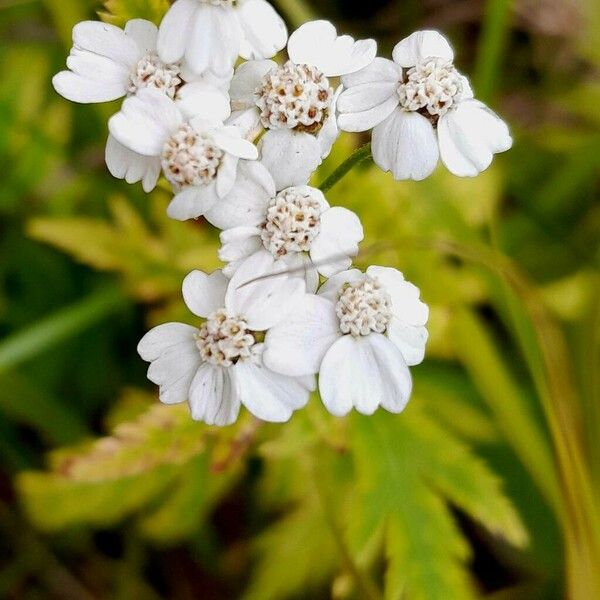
{"x":330,"y":131}
{"x":289,"y":156}
{"x":174,"y":370}
{"x":95,"y":88}
{"x":100,"y":63}
{"x":406,"y":304}
{"x":248,"y":76}
{"x":106,"y":40}
{"x":201,"y":99}
{"x":333,"y":285}
{"x":379,"y":71}
{"x":192,"y":202}
{"x":268,"y":395}
{"x":311,"y":275}
{"x":227,"y":175}
{"x":204,"y":293}
{"x":262,"y":292}
{"x":265,"y":33}
{"x":214,"y":40}
{"x":421,"y":45}
{"x":247,"y":122}
{"x":469,"y":136}
{"x":370,"y":97}
{"x":246,"y":204}
{"x":367,"y":119}
{"x":317,"y":43}
{"x":212,"y":397}
{"x":411,"y":341}
{"x":145,"y":122}
{"x":131,"y":166}
{"x":144,"y":33}
{"x":297,"y":345}
{"x":163,"y":338}
{"x":239,"y":243}
{"x":364,"y":373}
{"x":405,"y":144}
{"x":221,"y":82}
{"x":174,"y":30}
{"x":230,"y":139}
{"x":338,"y":239}
{"x":366,"y":96}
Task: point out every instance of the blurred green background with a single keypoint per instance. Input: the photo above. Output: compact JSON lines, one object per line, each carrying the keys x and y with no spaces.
{"x":487,"y":486}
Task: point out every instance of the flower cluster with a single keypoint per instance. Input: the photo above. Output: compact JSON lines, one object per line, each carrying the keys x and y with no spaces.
{"x":238,"y":146}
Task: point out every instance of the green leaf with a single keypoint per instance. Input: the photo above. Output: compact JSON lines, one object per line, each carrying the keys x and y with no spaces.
{"x":408,"y":471}
{"x":296,"y":554}
{"x":153,"y":261}
{"x":118,"y":12}
{"x":162,"y":454}
{"x":506,"y":399}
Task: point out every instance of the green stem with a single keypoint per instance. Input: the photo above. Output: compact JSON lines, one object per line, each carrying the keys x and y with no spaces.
{"x":297,"y":11}
{"x":59,"y":326}
{"x":358,"y":156}
{"x":492,"y":42}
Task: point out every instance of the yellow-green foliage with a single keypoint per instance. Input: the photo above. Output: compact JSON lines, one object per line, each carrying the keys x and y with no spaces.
{"x":118,"y":12}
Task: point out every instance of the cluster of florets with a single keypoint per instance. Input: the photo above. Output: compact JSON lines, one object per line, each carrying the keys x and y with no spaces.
{"x":238,"y":145}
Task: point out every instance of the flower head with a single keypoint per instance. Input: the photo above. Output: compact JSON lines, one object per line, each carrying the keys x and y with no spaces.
{"x":218,"y":366}
{"x":421,"y":108}
{"x":298,"y":229}
{"x":361,"y":332}
{"x":199,"y":156}
{"x":211,"y":34}
{"x":296,"y":102}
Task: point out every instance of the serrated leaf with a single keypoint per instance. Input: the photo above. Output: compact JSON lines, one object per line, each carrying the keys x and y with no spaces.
{"x":408,"y":470}
{"x":297,"y":554}
{"x":161,"y":457}
{"x":118,"y":12}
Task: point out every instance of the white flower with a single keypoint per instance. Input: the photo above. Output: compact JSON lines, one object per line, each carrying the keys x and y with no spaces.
{"x":295,"y":102}
{"x":360,"y":333}
{"x":421,"y":108}
{"x":219,"y":366}
{"x":107,"y":63}
{"x":198,"y":156}
{"x":300,"y":230}
{"x":211,"y":34}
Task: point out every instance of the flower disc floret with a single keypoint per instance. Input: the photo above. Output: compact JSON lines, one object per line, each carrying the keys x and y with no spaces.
{"x":363,"y":307}
{"x":431,"y":87}
{"x":293,"y":221}
{"x":224,"y":340}
{"x":151,"y":72}
{"x":190,"y":158}
{"x":294,"y":97}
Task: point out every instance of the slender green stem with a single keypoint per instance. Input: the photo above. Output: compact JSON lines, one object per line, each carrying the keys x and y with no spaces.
{"x":57,"y":327}
{"x":297,"y":11}
{"x":491,"y":47}
{"x":358,"y":156}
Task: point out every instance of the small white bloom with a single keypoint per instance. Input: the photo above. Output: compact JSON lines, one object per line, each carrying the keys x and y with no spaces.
{"x":298,"y":229}
{"x":420,"y":109}
{"x":360,"y":333}
{"x":198,"y":156}
{"x":296,"y":102}
{"x":211,"y":34}
{"x":107,"y":63}
{"x":218,"y":367}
